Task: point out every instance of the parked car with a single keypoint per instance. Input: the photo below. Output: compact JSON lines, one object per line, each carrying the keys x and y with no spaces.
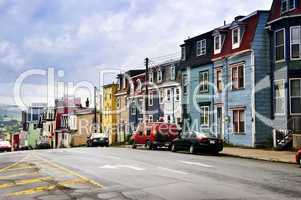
{"x":5,"y":146}
{"x":298,"y":157}
{"x":43,"y":145}
{"x":196,"y":142}
{"x":98,"y":139}
{"x":155,"y":135}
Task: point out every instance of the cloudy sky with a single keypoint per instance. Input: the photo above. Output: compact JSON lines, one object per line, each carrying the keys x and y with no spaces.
{"x":82,"y":38}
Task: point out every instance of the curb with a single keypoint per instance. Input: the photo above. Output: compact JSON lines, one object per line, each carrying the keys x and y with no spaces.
{"x":256,"y":158}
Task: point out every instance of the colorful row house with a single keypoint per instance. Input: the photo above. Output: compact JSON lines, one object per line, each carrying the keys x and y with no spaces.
{"x":284,"y":28}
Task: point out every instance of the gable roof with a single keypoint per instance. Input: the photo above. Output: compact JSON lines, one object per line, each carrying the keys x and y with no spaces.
{"x":250,"y":24}
{"x":276,"y":15}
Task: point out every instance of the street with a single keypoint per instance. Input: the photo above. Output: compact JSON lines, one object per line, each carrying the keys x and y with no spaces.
{"x":122,"y":173}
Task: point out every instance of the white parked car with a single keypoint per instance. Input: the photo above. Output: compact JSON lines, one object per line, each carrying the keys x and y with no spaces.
{"x":5,"y":146}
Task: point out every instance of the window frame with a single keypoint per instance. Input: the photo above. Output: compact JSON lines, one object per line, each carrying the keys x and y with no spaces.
{"x":150,"y":99}
{"x":183,"y":53}
{"x":161,"y":96}
{"x":151,"y":77}
{"x":201,"y":47}
{"x":178,"y":94}
{"x":237,"y":44}
{"x":219,"y":70}
{"x":203,"y":113}
{"x":139,"y":85}
{"x":284,"y":45}
{"x":291,"y":43}
{"x":118,"y":102}
{"x":291,"y":97}
{"x":217,"y":51}
{"x":185,"y":84}
{"x":239,"y":110}
{"x":204,"y":83}
{"x":288,"y":9}
{"x":168,"y":95}
{"x":159,"y":76}
{"x":173,"y":72}
{"x":275,"y":98}
{"x":244,"y":76}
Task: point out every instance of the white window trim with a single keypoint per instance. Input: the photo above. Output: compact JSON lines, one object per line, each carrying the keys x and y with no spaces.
{"x":139,"y":85}
{"x":151,"y":77}
{"x":124,"y":82}
{"x":204,"y":115}
{"x":287,"y":9}
{"x":236,"y":45}
{"x":290,"y":96}
{"x":283,"y":82}
{"x":172,"y":72}
{"x":239,"y":109}
{"x":291,"y":44}
{"x":159,"y":75}
{"x":200,"y":47}
{"x":203,"y":83}
{"x":168,"y":100}
{"x":161,"y":96}
{"x":236,"y":66}
{"x":217,"y":51}
{"x":221,"y":73}
{"x":275,"y":47}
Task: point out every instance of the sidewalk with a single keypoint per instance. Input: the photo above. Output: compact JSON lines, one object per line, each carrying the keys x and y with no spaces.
{"x":261,"y":154}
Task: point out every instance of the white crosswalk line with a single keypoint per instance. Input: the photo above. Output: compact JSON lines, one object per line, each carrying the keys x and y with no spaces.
{"x":196,"y":164}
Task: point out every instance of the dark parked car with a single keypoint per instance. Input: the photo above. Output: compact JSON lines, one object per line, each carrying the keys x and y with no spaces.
{"x":43,"y":145}
{"x":98,"y":139}
{"x":298,"y":157}
{"x":196,"y":142}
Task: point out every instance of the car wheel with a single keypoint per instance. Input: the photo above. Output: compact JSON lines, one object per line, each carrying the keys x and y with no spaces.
{"x":192,"y":149}
{"x":173,"y":148}
{"x":134,"y":146}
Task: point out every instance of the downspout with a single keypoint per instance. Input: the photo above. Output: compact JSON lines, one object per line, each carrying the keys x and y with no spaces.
{"x":253,"y":99}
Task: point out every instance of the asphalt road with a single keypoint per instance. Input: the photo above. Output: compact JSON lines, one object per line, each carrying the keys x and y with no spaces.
{"x":121,"y":173}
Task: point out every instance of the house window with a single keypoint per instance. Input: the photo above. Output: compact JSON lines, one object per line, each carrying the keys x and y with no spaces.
{"x":183,"y":53}
{"x":238,"y":79}
{"x":201,"y":47}
{"x":295,"y":96}
{"x":150,"y":99}
{"x":295,"y":42}
{"x":168,"y":95}
{"x":219,"y":80}
{"x":161,"y":96}
{"x":172,"y":72}
{"x":133,"y":110}
{"x":239,"y":121}
{"x":279,"y":100}
{"x":150,"y":118}
{"x":159,"y":76}
{"x":235,"y":38}
{"x":204,"y":116}
{"x":287,"y":5}
{"x":119,"y":83}
{"x":151,"y":77}
{"x":124,"y":82}
{"x":185,"y":84}
{"x":217,"y":44}
{"x":280,"y":44}
{"x":177,"y":94}
{"x":203,"y":81}
{"x":139,"y":85}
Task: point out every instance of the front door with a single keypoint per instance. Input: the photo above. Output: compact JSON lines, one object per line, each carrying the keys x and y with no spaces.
{"x":219,"y":114}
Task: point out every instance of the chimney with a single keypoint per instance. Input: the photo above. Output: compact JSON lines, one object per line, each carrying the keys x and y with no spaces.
{"x":87,"y":103}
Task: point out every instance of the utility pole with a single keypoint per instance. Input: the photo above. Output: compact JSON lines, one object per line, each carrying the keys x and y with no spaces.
{"x":95,"y":111}
{"x":146,"y":87}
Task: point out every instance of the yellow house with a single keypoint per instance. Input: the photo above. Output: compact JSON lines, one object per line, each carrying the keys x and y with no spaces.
{"x":109,"y":114}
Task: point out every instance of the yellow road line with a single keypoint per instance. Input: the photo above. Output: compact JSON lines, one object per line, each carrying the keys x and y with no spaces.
{"x":18,"y":175}
{"x":14,"y":164}
{"x":24,"y":182}
{"x":58,"y":186}
{"x":70,"y":172}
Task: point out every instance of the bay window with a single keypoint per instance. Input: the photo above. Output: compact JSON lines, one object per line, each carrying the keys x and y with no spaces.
{"x":295,"y":96}
{"x":295,"y":42}
{"x":238,"y":121}
{"x":280,"y":45}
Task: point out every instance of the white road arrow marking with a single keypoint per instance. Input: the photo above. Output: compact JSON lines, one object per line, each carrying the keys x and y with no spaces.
{"x":196,"y":164}
{"x":121,"y":166}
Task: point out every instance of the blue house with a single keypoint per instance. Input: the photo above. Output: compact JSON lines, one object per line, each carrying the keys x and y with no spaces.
{"x":242,"y":101}
{"x":197,"y":76}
